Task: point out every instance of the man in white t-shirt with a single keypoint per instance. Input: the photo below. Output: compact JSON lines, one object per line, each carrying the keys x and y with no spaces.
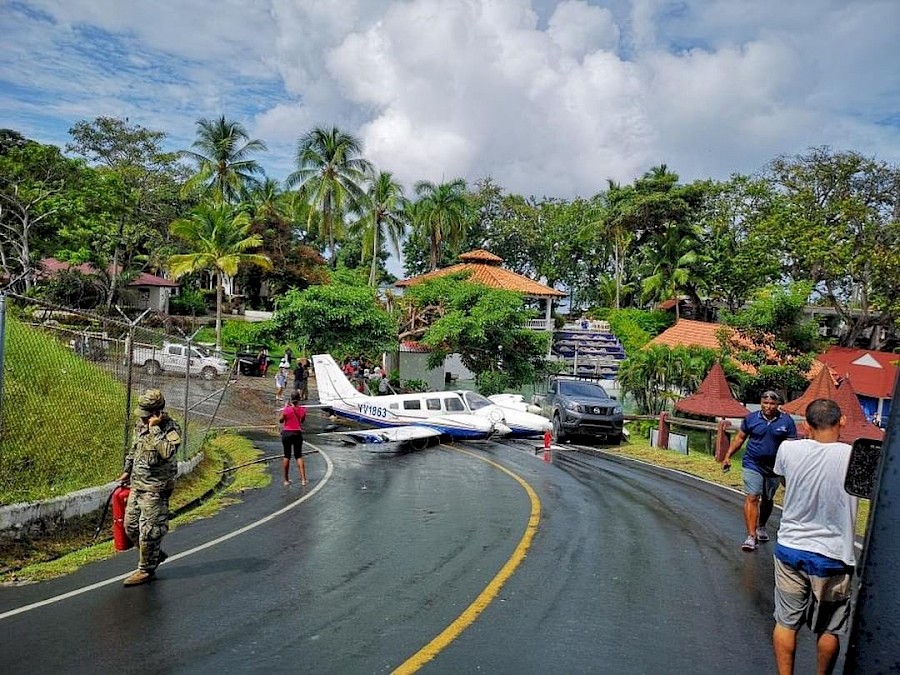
{"x":815,"y":556}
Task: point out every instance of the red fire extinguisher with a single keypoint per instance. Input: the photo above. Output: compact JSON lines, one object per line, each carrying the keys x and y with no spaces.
{"x":119,"y":499}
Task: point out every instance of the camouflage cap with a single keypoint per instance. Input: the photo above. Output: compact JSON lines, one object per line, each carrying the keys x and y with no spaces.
{"x":152,"y":401}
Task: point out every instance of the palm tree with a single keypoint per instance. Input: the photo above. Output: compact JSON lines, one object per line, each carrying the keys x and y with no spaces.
{"x":443,"y":215}
{"x":672,"y":255}
{"x":331,"y":172}
{"x":614,"y":223}
{"x":223,"y":151}
{"x":219,"y":237}
{"x":383,"y":217}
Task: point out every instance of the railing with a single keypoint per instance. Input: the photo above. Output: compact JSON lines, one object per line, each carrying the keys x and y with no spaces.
{"x":540,"y":324}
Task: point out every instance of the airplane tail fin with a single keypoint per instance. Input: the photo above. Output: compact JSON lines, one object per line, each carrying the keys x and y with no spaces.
{"x":331,"y":382}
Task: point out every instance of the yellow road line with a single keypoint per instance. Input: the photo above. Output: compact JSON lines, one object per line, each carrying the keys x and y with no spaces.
{"x":467,"y":618}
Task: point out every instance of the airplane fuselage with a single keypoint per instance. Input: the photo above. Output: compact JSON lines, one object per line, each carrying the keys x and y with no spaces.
{"x":458,"y":414}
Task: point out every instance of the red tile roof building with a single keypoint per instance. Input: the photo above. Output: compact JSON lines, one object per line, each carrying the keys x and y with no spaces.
{"x":713,"y":398}
{"x":873,"y":373}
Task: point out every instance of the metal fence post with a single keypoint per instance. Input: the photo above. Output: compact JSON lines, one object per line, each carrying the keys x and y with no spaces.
{"x":129,"y":363}
{"x":2,"y":346}
{"x":187,"y":387}
{"x":129,"y":358}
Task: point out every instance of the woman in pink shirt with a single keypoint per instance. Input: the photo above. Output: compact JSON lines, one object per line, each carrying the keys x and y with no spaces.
{"x":291,"y":420}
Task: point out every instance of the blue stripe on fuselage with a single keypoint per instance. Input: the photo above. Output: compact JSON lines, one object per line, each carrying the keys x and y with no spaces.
{"x":453,"y":432}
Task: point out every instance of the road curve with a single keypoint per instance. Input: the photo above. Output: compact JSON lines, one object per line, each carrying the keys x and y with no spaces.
{"x":631,"y":569}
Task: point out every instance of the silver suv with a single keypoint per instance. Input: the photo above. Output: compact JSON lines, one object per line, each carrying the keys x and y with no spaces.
{"x":581,"y":407}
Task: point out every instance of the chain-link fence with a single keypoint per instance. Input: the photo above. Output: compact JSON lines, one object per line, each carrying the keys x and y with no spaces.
{"x":70,"y":379}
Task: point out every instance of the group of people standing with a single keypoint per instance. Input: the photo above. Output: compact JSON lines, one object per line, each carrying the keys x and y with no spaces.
{"x":300,"y":374}
{"x":361,"y":372}
{"x":814,"y":555}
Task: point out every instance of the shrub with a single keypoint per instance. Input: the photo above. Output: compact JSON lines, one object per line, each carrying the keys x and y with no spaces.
{"x":188,"y":303}
{"x":492,"y":382}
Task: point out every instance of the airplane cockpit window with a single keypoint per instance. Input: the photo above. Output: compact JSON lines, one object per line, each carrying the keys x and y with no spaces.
{"x":394,"y":406}
{"x":476,"y":401}
{"x":453,"y":404}
{"x":415,"y":404}
{"x":433,"y":403}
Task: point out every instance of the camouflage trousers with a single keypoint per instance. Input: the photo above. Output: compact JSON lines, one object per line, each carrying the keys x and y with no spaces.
{"x":146,"y":523}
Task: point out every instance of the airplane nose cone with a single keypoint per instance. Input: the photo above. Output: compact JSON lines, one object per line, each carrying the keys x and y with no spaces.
{"x":501,"y":429}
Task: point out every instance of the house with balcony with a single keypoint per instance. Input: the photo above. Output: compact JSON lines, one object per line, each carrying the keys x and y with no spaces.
{"x":483,"y":267}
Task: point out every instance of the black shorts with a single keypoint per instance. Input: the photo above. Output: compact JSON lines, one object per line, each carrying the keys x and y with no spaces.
{"x":292,"y":441}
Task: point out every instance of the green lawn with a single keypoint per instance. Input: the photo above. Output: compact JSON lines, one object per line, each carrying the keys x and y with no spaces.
{"x":62,"y":422}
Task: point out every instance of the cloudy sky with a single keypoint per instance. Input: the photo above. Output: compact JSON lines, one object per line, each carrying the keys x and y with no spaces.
{"x":548,"y":98}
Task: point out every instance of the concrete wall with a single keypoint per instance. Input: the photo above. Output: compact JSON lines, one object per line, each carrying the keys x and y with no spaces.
{"x":415,"y":367}
{"x":19,"y":519}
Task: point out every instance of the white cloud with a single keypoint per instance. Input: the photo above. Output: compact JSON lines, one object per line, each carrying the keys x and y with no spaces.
{"x":547,"y":97}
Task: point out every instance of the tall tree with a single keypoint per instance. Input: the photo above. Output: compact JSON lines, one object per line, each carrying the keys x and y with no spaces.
{"x":741,"y":258}
{"x":839,"y":227}
{"x":443,"y":217}
{"x":342,"y":318}
{"x":147,"y":199}
{"x":613,"y":223}
{"x":39,"y":191}
{"x":331,"y":172}
{"x":279,"y":217}
{"x":220,"y":242}
{"x":671,"y":255}
{"x":224,"y":153}
{"x":382,"y":218}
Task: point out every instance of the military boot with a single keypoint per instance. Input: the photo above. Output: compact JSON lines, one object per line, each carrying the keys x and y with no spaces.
{"x":137,"y":578}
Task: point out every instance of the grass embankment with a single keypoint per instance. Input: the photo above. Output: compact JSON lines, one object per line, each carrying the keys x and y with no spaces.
{"x":705,"y":466}
{"x":56,"y":556}
{"x":62,"y":424}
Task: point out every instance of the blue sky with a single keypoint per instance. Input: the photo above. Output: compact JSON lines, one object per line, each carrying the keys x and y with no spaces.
{"x":548,"y":98}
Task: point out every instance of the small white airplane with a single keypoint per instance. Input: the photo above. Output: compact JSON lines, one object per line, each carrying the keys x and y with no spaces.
{"x":401,"y":418}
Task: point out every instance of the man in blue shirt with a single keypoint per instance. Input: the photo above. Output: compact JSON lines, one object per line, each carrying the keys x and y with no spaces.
{"x":766,"y":429}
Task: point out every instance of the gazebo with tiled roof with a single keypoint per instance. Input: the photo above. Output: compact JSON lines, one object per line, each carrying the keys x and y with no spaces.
{"x":483,"y":267}
{"x":856,"y":424}
{"x":713,"y":398}
{"x":822,"y":386}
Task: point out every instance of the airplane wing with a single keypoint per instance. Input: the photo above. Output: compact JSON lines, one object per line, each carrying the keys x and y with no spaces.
{"x":514,"y":402}
{"x":386,"y":435}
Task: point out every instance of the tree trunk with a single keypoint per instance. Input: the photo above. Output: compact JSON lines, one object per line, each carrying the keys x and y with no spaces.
{"x":218,"y":311}
{"x":374,"y":255}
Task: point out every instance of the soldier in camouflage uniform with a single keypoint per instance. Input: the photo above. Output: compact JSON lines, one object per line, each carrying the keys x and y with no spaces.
{"x":150,"y":467}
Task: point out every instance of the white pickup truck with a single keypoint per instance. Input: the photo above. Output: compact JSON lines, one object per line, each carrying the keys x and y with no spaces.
{"x":173,"y":357}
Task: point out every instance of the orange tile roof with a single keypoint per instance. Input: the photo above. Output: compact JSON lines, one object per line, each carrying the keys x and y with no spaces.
{"x":487,"y":271}
{"x":713,"y":398}
{"x":689,"y":333}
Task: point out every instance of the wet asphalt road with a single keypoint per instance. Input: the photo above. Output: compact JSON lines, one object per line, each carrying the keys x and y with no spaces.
{"x":632,"y":570}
